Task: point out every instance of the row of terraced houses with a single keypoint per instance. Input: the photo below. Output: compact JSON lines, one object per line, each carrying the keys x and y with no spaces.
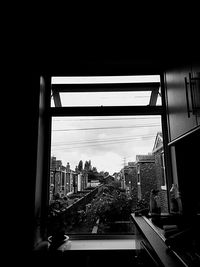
{"x":64,"y":181}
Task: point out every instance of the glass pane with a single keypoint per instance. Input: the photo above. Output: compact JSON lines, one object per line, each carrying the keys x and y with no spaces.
{"x":93,"y":172}
{"x":105,"y":98}
{"x":137,"y":97}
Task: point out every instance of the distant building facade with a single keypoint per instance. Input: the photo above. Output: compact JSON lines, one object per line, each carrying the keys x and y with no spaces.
{"x":64,"y":181}
{"x":147,"y":173}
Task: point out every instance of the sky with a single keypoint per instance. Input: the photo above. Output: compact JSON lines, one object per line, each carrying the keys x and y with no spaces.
{"x":108,"y":142}
{"x":111,"y":141}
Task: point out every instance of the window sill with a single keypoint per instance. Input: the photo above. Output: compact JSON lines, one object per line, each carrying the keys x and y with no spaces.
{"x":154,"y":236}
{"x":112,"y":244}
{"x":94,"y":242}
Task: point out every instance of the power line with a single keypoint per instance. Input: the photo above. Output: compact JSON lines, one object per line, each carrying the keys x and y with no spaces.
{"x":103,"y":140}
{"x":95,"y":144}
{"x":104,"y":128}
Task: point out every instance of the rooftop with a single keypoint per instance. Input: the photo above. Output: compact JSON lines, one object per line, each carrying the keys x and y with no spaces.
{"x":145,"y":158}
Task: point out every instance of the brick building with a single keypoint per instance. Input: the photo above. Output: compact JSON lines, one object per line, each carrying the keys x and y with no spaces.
{"x":145,"y":167}
{"x":131,"y":181}
{"x":147,"y":173}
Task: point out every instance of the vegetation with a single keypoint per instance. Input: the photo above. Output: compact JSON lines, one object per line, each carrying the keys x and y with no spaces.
{"x":111,"y":204}
{"x":142,"y":207}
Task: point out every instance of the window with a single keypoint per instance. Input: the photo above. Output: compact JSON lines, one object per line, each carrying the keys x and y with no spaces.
{"x":106,"y":91}
{"x":99,"y":125}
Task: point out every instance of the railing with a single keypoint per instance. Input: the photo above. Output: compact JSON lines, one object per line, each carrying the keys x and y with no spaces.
{"x":83,"y":200}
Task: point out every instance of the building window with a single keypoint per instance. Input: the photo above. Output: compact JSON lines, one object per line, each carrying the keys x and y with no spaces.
{"x":96,"y":123}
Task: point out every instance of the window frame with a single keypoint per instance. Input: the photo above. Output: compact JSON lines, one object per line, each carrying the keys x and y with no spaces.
{"x":105,"y":111}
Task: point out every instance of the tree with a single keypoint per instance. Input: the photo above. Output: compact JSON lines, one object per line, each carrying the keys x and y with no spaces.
{"x":94,"y":169}
{"x":80,"y":166}
{"x":90,"y":164}
{"x":86,"y":166}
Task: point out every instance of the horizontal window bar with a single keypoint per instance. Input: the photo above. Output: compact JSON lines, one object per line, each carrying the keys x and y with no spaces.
{"x":106,"y":111}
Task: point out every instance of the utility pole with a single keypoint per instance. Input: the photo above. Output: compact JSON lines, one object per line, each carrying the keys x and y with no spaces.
{"x":124,"y":162}
{"x":123,"y":174}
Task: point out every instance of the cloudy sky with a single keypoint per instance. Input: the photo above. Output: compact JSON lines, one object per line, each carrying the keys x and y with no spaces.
{"x":106,"y":141}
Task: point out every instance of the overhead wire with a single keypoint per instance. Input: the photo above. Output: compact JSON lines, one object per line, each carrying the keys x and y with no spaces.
{"x":99,"y":144}
{"x":104,"y":128}
{"x":101,"y":140}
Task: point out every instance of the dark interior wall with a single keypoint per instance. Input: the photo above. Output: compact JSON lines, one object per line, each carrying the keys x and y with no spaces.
{"x":23,"y":130}
{"x":138,"y":51}
{"x":83,"y":66}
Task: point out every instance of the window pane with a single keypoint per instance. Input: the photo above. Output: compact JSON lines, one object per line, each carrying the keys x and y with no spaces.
{"x":104,"y":90}
{"x":98,"y":159}
{"x":137,"y":98}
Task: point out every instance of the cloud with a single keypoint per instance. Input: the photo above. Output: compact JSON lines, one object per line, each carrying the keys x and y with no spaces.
{"x":110,"y":162}
{"x":114,"y":139}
